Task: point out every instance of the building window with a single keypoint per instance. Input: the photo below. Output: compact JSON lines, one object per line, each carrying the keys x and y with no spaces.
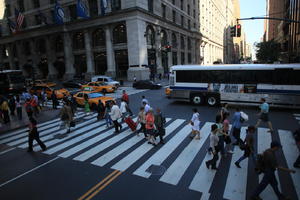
{"x":182,"y":58}
{"x":38,"y":19}
{"x":194,"y":13}
{"x":40,"y":46}
{"x":189,"y":58}
{"x":150,"y":35}
{"x":93,"y":8}
{"x":174,"y":57}
{"x":164,"y":38}
{"x":181,"y":4}
{"x":58,"y":44}
{"x":174,"y":16}
{"x":163,"y":9}
{"x":188,"y":9}
{"x":98,"y":37}
{"x":182,"y":21}
{"x":182,"y":44}
{"x":119,"y":34}
{"x":150,"y":6}
{"x":36,"y":3}
{"x":7,"y":10}
{"x":194,"y":25}
{"x":26,"y":48}
{"x":189,"y":44}
{"x":78,"y":41}
{"x":189,"y":24}
{"x":73,"y":12}
{"x":115,"y":5}
{"x":174,"y":40}
{"x":21,"y":5}
{"x":173,"y":2}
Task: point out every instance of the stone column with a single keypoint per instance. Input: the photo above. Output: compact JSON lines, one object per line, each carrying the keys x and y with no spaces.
{"x":21,"y":57}
{"x":137,"y":49}
{"x":89,"y":56}
{"x":158,"y":50}
{"x":170,"y":56}
{"x":193,"y":41}
{"x":35,"y":60}
{"x":11,"y":56}
{"x":69,"y":57}
{"x":52,"y":75}
{"x":110,"y":54}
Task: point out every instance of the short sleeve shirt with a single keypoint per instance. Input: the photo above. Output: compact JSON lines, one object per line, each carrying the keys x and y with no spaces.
{"x":264,"y":107}
{"x":270,"y":160}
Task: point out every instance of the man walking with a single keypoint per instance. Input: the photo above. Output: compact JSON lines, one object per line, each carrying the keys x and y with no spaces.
{"x":236,"y":127}
{"x":270,"y":165}
{"x":115,"y":114}
{"x":34,"y":135}
{"x":159,"y":122}
{"x":264,"y":114}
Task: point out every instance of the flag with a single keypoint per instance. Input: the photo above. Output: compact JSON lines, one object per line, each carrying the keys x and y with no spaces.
{"x":12,"y":26}
{"x":43,"y":17}
{"x":19,"y":18}
{"x":103,"y":6}
{"x":59,"y":14}
{"x":82,"y":10}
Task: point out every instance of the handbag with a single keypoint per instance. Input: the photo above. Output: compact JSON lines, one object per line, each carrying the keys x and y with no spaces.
{"x":72,"y":124}
{"x":227,"y":139}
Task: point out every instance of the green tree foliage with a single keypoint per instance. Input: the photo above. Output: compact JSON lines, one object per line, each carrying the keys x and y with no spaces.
{"x":267,"y":52}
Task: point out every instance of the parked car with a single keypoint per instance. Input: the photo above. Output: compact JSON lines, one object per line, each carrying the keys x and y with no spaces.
{"x":106,"y":79}
{"x":60,"y":92}
{"x":93,"y":98}
{"x":73,"y":83}
{"x":100,"y":87}
{"x":145,"y":84}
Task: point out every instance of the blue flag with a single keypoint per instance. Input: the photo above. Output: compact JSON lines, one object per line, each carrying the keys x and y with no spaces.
{"x":59,"y":14}
{"x":103,"y":6}
{"x":81,"y":10}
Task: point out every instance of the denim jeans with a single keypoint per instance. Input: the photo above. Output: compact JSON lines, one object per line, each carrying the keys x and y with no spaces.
{"x":108,"y":120}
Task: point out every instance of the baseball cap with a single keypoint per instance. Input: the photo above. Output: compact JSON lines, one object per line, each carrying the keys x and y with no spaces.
{"x":275,"y":144}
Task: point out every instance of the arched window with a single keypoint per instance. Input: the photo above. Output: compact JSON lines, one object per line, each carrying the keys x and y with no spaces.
{"x":98,"y":38}
{"x":150,"y":34}
{"x":119,"y":34}
{"x":174,"y":40}
{"x":40,"y":46}
{"x":59,"y":44}
{"x":78,"y":40}
{"x":189,"y":44}
{"x":164,"y":38}
{"x":182,"y":44}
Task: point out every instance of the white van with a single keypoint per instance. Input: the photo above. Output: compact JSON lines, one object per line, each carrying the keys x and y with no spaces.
{"x":106,"y":79}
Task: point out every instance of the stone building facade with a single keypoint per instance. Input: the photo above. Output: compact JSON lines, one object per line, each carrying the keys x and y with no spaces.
{"x":122,"y":42}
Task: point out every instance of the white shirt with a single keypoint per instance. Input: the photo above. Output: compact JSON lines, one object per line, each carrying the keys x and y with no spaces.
{"x":123,"y":107}
{"x":196,"y":121}
{"x":147,"y":108}
{"x":213,"y":141}
{"x":145,"y":100}
{"x":115,"y":113}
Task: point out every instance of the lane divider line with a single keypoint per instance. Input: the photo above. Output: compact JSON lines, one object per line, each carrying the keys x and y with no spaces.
{"x":98,"y":185}
{"x":8,"y":150}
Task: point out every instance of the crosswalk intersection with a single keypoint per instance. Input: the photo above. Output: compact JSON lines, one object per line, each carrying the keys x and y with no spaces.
{"x":91,"y":141}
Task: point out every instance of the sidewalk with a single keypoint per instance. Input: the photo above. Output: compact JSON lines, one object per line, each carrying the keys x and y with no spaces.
{"x":45,"y":115}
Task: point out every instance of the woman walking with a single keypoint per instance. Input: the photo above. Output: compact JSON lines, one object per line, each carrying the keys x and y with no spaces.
{"x":220,"y":134}
{"x":214,"y":140}
{"x":66,"y":115}
{"x":19,"y":107}
{"x":142,"y":120}
{"x":150,"y":127}
{"x":195,"y":122}
{"x":86,"y":105}
{"x":34,"y":135}
{"x":108,"y":120}
{"x":116,"y":114}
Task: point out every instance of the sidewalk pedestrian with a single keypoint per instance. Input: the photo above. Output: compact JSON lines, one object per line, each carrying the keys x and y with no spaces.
{"x":142,"y":120}
{"x":236,"y":127}
{"x":66,"y":115}
{"x":264,"y":114}
{"x":150,"y":127}
{"x":12,"y":105}
{"x":86,"y":105}
{"x":19,"y":107}
{"x":248,"y":147}
{"x":125,"y":97}
{"x":116,"y":114}
{"x":270,"y":166}
{"x":100,"y":110}
{"x":34,"y":135}
{"x":159,"y":122}
{"x":213,"y":145}
{"x":4,"y":109}
{"x":195,"y":123}
{"x":108,"y":120}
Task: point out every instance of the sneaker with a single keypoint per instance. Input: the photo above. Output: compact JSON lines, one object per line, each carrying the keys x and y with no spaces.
{"x":231,"y":152}
{"x":237,"y":165}
{"x":207,"y":164}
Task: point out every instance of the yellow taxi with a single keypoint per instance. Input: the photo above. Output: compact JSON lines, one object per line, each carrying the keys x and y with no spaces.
{"x":44,"y":83}
{"x":100,"y":87}
{"x":168,"y":92}
{"x":93,"y":98}
{"x":60,"y":92}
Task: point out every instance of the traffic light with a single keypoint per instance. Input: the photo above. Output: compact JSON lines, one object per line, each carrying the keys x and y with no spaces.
{"x":238,"y":30}
{"x":233,"y":31}
{"x":168,"y":48}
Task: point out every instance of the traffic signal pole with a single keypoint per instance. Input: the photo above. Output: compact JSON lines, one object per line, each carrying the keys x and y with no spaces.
{"x":269,"y":18}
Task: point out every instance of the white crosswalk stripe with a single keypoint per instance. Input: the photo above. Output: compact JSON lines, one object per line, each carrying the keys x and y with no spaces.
{"x":92,"y":139}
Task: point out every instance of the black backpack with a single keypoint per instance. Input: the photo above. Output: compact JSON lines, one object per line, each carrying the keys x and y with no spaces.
{"x":260,"y":165}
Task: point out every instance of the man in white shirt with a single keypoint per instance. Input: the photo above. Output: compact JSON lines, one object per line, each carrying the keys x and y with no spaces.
{"x":146,"y":107}
{"x":115,"y":114}
{"x":144,"y":100}
{"x":123,"y":108}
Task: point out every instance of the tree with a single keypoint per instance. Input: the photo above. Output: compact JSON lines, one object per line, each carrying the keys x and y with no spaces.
{"x":268,"y":52}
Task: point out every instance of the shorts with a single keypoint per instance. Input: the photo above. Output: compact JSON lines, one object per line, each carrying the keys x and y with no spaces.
{"x":264,"y":117}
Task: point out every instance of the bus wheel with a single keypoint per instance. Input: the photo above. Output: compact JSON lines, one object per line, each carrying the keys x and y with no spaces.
{"x":212,"y":100}
{"x":197,"y":99}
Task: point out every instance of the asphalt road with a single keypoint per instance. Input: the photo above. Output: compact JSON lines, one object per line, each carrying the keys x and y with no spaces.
{"x":82,"y":165}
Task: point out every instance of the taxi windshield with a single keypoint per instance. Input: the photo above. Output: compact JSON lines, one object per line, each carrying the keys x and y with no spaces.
{"x":94,"y":95}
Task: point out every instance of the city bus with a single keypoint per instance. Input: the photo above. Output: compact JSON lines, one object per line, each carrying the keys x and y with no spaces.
{"x":11,"y":81}
{"x":243,"y":84}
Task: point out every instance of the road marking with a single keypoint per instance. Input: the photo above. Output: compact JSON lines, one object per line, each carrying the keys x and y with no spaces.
{"x":183,"y":161}
{"x":17,"y":177}
{"x":97,"y":149}
{"x":159,"y":156}
{"x":297,"y":118}
{"x":236,"y":190}
{"x":135,"y":155}
{"x":8,"y":150}
{"x":291,"y":152}
{"x":296,"y":114}
{"x":99,"y":184}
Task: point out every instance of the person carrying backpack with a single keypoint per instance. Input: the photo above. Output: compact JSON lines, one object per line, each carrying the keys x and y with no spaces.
{"x":159,"y":122}
{"x":267,"y":163}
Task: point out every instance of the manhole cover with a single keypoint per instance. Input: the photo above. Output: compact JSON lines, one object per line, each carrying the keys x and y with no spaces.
{"x":156,"y":170}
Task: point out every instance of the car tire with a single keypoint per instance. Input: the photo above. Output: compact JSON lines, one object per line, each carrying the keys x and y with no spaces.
{"x":213,"y":100}
{"x":197,"y":99}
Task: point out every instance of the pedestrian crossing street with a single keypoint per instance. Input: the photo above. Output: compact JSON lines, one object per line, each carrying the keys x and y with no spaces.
{"x":91,"y":141}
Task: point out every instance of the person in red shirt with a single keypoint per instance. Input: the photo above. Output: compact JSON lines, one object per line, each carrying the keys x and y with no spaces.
{"x":150,"y":127}
{"x":125,"y":98}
